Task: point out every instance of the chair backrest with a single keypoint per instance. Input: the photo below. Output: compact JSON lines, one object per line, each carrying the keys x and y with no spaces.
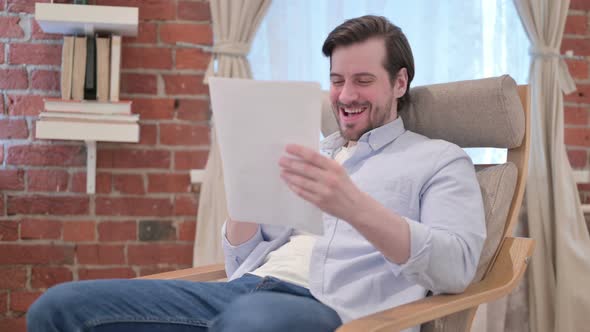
{"x":491,"y":112}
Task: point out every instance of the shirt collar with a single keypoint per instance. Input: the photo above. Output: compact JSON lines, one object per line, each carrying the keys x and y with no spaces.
{"x":376,"y":138}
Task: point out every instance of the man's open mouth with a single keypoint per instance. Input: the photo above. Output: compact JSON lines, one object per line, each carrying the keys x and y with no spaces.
{"x":351,"y":113}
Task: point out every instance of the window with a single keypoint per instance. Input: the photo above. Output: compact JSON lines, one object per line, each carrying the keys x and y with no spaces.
{"x":451,"y":40}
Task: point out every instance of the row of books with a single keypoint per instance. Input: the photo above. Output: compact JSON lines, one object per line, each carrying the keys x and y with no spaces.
{"x":88,"y":108}
{"x":90,"y":76}
{"x":91,"y":67}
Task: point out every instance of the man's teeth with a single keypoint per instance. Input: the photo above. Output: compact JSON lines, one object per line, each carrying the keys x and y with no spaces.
{"x":353,"y":110}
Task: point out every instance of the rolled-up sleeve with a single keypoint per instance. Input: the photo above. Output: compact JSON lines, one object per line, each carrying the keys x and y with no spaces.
{"x":447,"y":241}
{"x":235,"y":255}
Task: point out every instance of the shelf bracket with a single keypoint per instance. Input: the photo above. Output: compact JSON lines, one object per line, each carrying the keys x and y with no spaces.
{"x":90,"y":167}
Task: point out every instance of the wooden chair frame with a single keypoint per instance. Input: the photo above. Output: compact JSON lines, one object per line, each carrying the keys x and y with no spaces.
{"x":503,"y":275}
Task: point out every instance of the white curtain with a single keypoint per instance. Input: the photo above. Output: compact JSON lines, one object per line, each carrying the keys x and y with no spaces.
{"x":560,"y":268}
{"x":234,"y":25}
{"x":461,"y":40}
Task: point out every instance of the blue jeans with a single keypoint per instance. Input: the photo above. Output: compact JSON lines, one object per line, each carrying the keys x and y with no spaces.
{"x":249,"y":303}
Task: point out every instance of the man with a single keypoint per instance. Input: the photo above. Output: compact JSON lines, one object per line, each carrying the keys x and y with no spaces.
{"x":403,"y":215}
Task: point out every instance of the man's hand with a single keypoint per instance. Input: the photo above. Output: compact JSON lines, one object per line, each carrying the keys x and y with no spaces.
{"x":320,"y":181}
{"x":324,"y":183}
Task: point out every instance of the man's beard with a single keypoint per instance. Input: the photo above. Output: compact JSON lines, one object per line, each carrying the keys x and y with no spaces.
{"x":377,"y":118}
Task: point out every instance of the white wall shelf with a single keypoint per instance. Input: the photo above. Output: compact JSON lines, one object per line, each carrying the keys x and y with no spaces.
{"x":90,"y":133}
{"x":197,"y":176}
{"x":87,"y":131}
{"x":88,"y":121}
{"x":68,"y":19}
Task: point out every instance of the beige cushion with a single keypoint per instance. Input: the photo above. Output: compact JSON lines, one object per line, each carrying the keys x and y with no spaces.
{"x":475,"y":113}
{"x":497,"y":185}
{"x":329,"y":124}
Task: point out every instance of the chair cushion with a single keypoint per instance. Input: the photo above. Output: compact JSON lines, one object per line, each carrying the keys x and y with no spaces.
{"x":497,"y":185}
{"x":475,"y":113}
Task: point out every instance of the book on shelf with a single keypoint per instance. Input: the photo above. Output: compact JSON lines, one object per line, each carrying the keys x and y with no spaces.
{"x":79,"y":68}
{"x":88,"y":107}
{"x":67,"y":66}
{"x":103,"y":55}
{"x":132,"y":118}
{"x":90,"y":77}
{"x":115,"y":67}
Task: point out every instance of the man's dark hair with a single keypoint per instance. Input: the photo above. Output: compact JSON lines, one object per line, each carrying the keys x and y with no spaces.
{"x":398,"y":53}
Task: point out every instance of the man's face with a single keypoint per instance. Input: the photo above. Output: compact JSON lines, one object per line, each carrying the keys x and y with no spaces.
{"x":361,"y":92}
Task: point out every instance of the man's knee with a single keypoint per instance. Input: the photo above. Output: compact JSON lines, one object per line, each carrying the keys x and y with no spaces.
{"x":52,"y":305}
{"x":266,"y":312}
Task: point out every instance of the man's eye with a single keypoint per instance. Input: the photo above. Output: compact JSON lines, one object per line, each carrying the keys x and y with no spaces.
{"x":337,"y":82}
{"x":363,"y":82}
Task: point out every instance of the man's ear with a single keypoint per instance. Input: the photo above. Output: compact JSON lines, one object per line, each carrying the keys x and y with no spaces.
{"x":401,"y":83}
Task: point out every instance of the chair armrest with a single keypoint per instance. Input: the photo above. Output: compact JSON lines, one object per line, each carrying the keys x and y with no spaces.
{"x":507,"y":271}
{"x":202,"y":273}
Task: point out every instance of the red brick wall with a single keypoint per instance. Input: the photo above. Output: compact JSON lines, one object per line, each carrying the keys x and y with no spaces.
{"x":577,"y":104}
{"x":142,"y":218}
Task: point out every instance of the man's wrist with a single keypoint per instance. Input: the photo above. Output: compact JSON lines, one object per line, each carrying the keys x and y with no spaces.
{"x":362,"y":209}
{"x":239,"y":232}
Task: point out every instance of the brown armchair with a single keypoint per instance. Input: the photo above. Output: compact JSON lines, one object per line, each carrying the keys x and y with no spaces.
{"x":491,"y":112}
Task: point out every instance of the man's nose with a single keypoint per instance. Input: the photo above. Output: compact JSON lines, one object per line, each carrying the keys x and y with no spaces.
{"x":348,"y":94}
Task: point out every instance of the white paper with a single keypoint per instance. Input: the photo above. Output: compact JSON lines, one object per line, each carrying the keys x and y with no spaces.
{"x":254,"y":121}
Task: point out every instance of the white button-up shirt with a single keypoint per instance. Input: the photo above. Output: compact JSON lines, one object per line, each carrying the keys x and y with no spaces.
{"x":432,"y":184}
